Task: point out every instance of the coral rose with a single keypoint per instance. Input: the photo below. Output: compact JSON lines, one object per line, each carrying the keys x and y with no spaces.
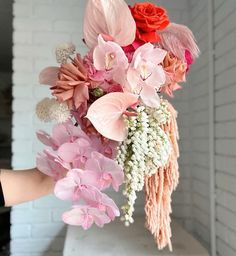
{"x":149,"y":19}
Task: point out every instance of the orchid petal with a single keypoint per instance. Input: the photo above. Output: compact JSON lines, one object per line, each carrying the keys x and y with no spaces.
{"x":150,"y":97}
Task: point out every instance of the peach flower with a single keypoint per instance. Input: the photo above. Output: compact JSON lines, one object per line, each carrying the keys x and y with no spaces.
{"x":175,"y":70}
{"x":73,"y":83}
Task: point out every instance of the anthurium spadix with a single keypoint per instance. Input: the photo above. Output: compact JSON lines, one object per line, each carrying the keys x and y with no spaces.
{"x":115,"y":20}
{"x":106,"y":114}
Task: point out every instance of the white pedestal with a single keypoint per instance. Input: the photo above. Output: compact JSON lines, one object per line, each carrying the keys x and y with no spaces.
{"x":117,"y":240}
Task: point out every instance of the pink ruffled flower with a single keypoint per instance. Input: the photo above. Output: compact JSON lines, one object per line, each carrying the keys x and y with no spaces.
{"x":145,"y":74}
{"x":85,"y":216}
{"x":175,"y":70}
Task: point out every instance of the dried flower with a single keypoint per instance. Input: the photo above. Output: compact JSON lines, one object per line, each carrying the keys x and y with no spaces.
{"x":49,"y":110}
{"x":64,"y":51}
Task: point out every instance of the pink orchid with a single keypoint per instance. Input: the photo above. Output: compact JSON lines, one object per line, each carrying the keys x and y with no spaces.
{"x":102,"y":202}
{"x":77,"y":185}
{"x":50,"y":164}
{"x":61,"y":133}
{"x":109,"y":56}
{"x":75,"y":153}
{"x":109,"y":171}
{"x":145,"y":74}
{"x":104,"y":146}
{"x":85,"y":216}
{"x":106,"y":114}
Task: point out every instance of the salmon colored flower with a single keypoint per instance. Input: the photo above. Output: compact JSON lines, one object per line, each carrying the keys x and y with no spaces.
{"x":73,"y":83}
{"x":149,"y":19}
{"x":175,"y":70}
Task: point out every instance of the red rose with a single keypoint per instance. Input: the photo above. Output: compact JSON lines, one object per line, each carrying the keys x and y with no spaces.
{"x":149,"y":19}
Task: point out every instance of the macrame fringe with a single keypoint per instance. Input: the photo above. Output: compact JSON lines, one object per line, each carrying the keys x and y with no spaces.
{"x":159,"y":188}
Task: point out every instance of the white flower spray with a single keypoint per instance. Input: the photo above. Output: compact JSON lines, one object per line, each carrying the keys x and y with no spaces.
{"x":145,"y":150}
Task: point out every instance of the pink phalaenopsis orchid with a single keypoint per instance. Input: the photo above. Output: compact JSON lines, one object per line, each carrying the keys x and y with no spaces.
{"x":61,"y":133}
{"x":109,"y":172}
{"x":102,"y":202}
{"x":75,"y":153}
{"x":75,"y":184}
{"x":50,"y":164}
{"x":145,"y":74}
{"x":85,"y":216}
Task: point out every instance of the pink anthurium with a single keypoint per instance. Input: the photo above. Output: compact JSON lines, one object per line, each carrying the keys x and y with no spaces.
{"x":110,"y":173}
{"x":115,"y":21}
{"x":106,"y":114}
{"x":85,"y":216}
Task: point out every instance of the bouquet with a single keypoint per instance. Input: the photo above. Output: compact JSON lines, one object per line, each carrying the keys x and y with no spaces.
{"x":113,"y":125}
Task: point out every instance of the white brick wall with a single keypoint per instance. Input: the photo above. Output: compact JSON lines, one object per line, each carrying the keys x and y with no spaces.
{"x":199,"y":124}
{"x":225,"y":124}
{"x":38,"y":26}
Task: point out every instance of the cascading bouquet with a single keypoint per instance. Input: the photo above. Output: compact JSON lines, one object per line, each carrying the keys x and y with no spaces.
{"x":113,"y":125}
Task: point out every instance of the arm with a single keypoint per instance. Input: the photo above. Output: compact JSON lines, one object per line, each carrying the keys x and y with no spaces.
{"x":22,"y":186}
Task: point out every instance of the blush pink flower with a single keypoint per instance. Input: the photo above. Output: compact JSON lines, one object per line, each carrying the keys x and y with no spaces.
{"x":61,"y":133}
{"x":50,"y":164}
{"x":109,"y":172}
{"x":76,"y":185}
{"x":109,"y":56}
{"x":102,"y":202}
{"x":175,"y":70}
{"x":85,"y":216}
{"x":145,"y":74}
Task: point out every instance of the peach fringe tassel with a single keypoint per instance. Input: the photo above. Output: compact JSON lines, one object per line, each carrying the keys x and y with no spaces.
{"x":159,"y":188}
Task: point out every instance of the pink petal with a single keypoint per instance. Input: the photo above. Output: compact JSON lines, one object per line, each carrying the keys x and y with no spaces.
{"x":46,"y":139}
{"x":115,"y":20}
{"x":69,"y":151}
{"x":150,"y":97}
{"x":49,"y":76}
{"x":106,"y":114}
{"x":81,"y":94}
{"x":79,"y":216}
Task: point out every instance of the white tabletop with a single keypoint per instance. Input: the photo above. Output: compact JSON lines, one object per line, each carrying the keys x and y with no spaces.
{"x":117,"y":240}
